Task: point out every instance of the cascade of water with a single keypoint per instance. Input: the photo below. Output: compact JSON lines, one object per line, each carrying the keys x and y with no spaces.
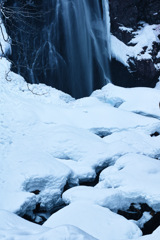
{"x":70,"y":50}
{"x":108,"y":25}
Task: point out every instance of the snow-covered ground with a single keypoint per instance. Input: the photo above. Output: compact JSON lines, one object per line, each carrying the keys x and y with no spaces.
{"x":50,"y":142}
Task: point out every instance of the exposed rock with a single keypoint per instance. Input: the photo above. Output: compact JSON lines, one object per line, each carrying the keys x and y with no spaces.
{"x":130,"y":13}
{"x":126,"y":18}
{"x":123,"y":13}
{"x":136,"y":212}
{"x":152,"y":224}
{"x":144,"y":72}
{"x":155,"y":134}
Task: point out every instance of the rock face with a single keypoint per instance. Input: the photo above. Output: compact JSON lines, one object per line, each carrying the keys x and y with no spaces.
{"x":126,"y":18}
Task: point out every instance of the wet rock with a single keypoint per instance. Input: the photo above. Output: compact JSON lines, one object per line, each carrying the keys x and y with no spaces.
{"x":36,"y":192}
{"x":155,"y":134}
{"x":136,"y":212}
{"x":152,"y":224}
{"x":131,"y":213}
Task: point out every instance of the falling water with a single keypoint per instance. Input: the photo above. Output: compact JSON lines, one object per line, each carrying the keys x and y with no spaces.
{"x":70,"y":47}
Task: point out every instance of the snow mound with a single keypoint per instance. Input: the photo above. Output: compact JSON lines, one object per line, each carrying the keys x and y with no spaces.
{"x":85,"y":216}
{"x":16,"y":228}
{"x":134,"y":141}
{"x":136,"y":177}
{"x":141,"y":100}
{"x":133,"y":179}
{"x":34,"y":178}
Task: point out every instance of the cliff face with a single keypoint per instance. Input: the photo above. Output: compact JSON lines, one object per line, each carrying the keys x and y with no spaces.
{"x":128,"y":19}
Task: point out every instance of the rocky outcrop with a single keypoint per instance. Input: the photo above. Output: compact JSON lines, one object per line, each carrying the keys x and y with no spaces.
{"x":127,"y":18}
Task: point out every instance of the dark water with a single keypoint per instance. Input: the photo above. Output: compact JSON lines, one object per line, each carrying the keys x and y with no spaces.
{"x":62,"y":43}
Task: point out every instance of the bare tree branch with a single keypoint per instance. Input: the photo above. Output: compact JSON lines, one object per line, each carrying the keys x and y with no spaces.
{"x":17,"y":14}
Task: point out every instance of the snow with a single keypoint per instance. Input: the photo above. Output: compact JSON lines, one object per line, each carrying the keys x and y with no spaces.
{"x":135,"y":176}
{"x":48,"y":141}
{"x":143,"y":37}
{"x":145,"y":218}
{"x":158,"y":84}
{"x":4,"y":40}
{"x":133,"y":179}
{"x":158,"y":55}
{"x":135,"y":142}
{"x":126,"y":29}
{"x":157,"y":66}
{"x":154,"y":236}
{"x":120,"y":51}
{"x":13,"y":227}
{"x":85,"y":216}
{"x":141,"y":100}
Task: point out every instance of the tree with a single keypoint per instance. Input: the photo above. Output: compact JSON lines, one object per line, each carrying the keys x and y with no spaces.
{"x":23,"y":21}
{"x":18,"y":17}
{"x":15,"y":17}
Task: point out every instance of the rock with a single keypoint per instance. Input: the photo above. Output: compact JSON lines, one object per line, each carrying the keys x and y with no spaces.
{"x":85,"y":215}
{"x":152,"y":224}
{"x":126,"y":18}
{"x":144,"y":74}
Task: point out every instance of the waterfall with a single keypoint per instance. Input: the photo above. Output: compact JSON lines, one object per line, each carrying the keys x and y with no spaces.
{"x":108,"y":26}
{"x":68,"y":48}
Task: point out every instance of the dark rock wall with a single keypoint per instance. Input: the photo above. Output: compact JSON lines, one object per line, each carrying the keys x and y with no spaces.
{"x":131,"y":14}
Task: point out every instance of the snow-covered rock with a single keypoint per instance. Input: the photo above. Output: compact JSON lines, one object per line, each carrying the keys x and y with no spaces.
{"x":136,"y":177}
{"x":16,"y":228}
{"x":133,"y":179}
{"x":46,"y":127}
{"x":95,"y":220}
{"x":50,"y":141}
{"x":134,"y":141}
{"x":143,"y":37}
{"x":22,"y":176}
{"x":144,"y":101}
{"x":135,"y":42}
